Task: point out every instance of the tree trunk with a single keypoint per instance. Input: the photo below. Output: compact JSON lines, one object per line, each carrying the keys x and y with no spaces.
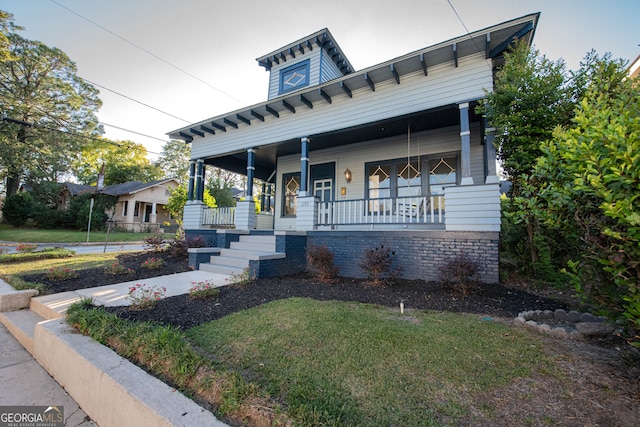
{"x":12,"y":184}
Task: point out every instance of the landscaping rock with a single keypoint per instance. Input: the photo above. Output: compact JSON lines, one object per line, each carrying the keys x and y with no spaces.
{"x":594,"y":329}
{"x":573,"y":316}
{"x":560,"y":315}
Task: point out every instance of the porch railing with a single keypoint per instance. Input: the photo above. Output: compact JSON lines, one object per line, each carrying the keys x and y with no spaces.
{"x":220,"y":217}
{"x":399,"y":210}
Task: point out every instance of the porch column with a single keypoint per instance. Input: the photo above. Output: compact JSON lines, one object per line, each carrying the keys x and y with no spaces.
{"x":263,"y":196}
{"x":251,"y":168}
{"x":465,"y":140}
{"x":153,"y":216}
{"x":490,"y":154}
{"x":200,"y":180}
{"x":192,"y":173}
{"x":304,"y":167}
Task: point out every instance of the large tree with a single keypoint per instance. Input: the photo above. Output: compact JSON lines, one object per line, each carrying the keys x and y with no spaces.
{"x":590,"y":175}
{"x":530,"y":98}
{"x":123,"y":161}
{"x":48,"y":112}
{"x":6,"y":26}
{"x":174,"y":160}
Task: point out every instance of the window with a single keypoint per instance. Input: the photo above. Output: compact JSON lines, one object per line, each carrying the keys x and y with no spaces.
{"x":136,"y":210}
{"x":291,"y":188}
{"x":125,"y":205}
{"x":294,"y":77}
{"x":442,"y":173}
{"x":390,"y":179}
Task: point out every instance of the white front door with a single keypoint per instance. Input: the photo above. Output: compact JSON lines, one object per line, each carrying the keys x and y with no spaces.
{"x":323,"y":189}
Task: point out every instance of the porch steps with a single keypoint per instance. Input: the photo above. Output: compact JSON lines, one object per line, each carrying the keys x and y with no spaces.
{"x":22,"y":325}
{"x":234,"y":260}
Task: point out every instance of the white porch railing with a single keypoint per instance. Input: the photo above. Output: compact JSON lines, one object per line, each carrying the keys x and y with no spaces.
{"x":220,"y":217}
{"x":400,"y":210}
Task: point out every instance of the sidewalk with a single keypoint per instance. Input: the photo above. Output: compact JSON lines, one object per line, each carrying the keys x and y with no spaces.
{"x":26,"y":383}
{"x":80,"y":248}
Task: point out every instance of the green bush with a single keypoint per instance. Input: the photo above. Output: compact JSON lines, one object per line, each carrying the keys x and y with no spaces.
{"x":18,"y":208}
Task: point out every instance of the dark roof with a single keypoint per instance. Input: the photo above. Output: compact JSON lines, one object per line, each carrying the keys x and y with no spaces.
{"x":115,"y":189}
{"x":322,"y":39}
{"x":131,"y":187}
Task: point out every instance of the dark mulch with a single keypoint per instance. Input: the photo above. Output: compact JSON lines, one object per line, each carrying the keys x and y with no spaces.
{"x":184,"y":312}
{"x":492,"y":300}
{"x":94,"y":277}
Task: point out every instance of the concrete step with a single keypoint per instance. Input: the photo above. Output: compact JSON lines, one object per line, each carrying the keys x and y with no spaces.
{"x":229,"y":261}
{"x":22,"y":324}
{"x":253,"y":246}
{"x":259,"y":239}
{"x":54,"y":306}
{"x":221,"y":269}
{"x":244,"y":254}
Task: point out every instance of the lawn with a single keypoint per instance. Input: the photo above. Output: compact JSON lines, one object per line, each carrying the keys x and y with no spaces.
{"x":338,"y":363}
{"x":27,"y":235}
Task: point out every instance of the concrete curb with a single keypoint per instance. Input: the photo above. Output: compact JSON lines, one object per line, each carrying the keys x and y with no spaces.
{"x":110,"y":389}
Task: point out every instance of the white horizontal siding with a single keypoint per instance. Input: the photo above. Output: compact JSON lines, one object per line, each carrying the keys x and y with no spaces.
{"x":444,"y":85}
{"x":328,"y":68}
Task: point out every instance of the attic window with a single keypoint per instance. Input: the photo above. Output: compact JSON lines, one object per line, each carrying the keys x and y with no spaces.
{"x":294,"y":77}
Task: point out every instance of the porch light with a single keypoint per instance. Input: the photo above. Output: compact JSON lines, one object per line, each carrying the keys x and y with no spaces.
{"x":347,"y":175}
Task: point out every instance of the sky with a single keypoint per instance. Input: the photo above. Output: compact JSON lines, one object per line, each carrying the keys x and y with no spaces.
{"x":194,"y":59}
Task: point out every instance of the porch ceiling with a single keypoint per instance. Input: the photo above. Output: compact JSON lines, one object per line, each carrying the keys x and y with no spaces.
{"x":266,"y":156}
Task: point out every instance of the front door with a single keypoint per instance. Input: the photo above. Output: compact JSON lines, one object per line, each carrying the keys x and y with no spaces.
{"x":147,"y":213}
{"x":322,"y":182}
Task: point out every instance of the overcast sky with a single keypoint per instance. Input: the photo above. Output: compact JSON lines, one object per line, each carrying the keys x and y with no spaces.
{"x":218,"y":41}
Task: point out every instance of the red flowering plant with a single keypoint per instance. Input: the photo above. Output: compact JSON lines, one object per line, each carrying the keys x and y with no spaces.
{"x":142,"y":296}
{"x":203,"y":289}
{"x":60,"y":273}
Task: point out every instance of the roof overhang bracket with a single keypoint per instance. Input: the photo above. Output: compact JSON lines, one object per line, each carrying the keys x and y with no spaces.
{"x":230,"y":123}
{"x":324,"y":95}
{"x":395,"y":73}
{"x":206,"y":129}
{"x":196,"y":132}
{"x":306,"y":102}
{"x":309,"y":45}
{"x":257,"y":116}
{"x":455,"y":54}
{"x":346,"y":89}
{"x":187,"y":137}
{"x":288,"y":106}
{"x":292,"y":53}
{"x":272,"y":111}
{"x":423,"y":61}
{"x":510,"y":40}
{"x":219,"y":127}
{"x":370,"y":82}
{"x":487,"y":48}
{"x":243,"y":119}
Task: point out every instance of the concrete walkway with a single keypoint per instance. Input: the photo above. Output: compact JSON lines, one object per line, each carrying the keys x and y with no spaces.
{"x":25,"y":382}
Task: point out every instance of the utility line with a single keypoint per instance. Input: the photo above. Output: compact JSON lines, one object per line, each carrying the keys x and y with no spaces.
{"x":135,"y":100}
{"x":465,"y":28}
{"x":149,"y":53}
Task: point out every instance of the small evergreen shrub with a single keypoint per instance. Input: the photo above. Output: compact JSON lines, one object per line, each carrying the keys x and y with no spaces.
{"x":320,"y":263}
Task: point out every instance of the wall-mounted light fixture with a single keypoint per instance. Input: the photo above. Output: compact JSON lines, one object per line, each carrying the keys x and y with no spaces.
{"x":347,"y":175}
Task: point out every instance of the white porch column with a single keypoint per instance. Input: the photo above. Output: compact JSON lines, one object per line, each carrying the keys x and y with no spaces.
{"x":246,"y":215}
{"x":465,"y":140}
{"x":306,"y":213}
{"x":131,"y":206}
{"x":153,"y":216}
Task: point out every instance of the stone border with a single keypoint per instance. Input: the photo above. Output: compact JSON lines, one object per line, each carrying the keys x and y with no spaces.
{"x":563,"y":324}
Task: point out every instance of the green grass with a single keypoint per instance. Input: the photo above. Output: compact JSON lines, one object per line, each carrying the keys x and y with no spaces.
{"x":35,"y":235}
{"x":354,"y":364}
{"x":14,"y":265}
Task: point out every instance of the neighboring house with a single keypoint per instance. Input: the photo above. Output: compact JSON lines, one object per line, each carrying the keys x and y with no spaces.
{"x":634,"y":68}
{"x":140,"y":206}
{"x":393,"y":155}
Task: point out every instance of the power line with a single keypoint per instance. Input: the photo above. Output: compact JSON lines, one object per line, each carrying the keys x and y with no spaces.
{"x":137,"y":133}
{"x":135,"y":100}
{"x":148,"y":52}
{"x":465,"y":28}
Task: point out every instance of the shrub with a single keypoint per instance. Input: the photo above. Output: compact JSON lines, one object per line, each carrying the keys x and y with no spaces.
{"x":153,"y":263}
{"x":377,"y":265}
{"x":59,"y":273}
{"x":18,"y":208}
{"x":142,"y":296}
{"x":203,"y":289}
{"x":240,"y":279}
{"x":26,"y":248}
{"x":460,"y":273}
{"x":178,"y":248}
{"x":117,"y":269}
{"x":320,"y":263}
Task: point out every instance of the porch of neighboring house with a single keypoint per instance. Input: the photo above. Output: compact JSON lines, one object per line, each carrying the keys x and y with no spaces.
{"x":137,"y":215}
